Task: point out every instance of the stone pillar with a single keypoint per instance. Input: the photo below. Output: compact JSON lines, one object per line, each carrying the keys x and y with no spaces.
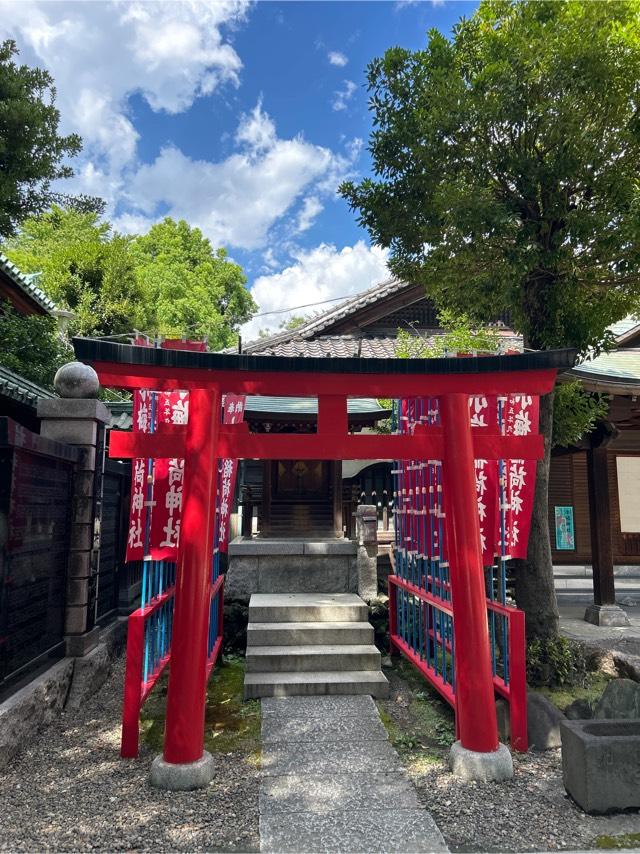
{"x":77,"y":418}
{"x":367,"y":555}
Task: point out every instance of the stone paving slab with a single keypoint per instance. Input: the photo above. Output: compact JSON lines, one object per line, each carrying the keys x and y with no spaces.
{"x":347,"y":706}
{"x":333,"y":728}
{"x":371,"y":831}
{"x":326,"y":758}
{"x":296,"y":793}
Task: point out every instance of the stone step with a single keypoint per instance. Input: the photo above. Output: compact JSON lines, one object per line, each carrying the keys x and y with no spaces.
{"x":621,"y":583}
{"x":307,"y":608}
{"x":301,"y":634}
{"x":584,"y":571}
{"x":307,"y":684}
{"x":299,"y":659}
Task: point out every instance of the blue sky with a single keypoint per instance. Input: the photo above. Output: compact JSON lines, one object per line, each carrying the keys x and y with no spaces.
{"x":240,"y":117}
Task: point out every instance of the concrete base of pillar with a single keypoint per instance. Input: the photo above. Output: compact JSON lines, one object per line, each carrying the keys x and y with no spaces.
{"x":483,"y":767}
{"x":606,"y":615}
{"x":182,"y":778}
{"x":79,"y":645}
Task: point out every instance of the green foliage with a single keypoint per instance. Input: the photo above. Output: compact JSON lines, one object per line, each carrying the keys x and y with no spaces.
{"x":31,"y":345}
{"x":294,"y":322}
{"x":556,"y":661}
{"x":575,"y":413}
{"x":169,"y":281}
{"x":31,"y":151}
{"x":461,"y":335}
{"x":621,"y":840}
{"x":230,"y":724}
{"x":189,"y":288}
{"x":379,"y":619}
{"x":506,"y":162}
{"x":84,"y":267}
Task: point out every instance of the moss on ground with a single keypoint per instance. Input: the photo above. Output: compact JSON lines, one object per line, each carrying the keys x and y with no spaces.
{"x":624,"y":840}
{"x":230,"y":724}
{"x":425,"y":728}
{"x":591,"y":691}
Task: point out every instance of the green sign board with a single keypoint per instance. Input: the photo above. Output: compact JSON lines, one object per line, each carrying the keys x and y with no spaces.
{"x":565,"y":532}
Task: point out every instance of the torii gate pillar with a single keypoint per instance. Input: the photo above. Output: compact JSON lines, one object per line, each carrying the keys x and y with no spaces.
{"x":185,"y":764}
{"x":477,"y":755}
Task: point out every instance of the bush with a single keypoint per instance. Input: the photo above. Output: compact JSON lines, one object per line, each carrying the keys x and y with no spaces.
{"x":556,"y":661}
{"x":236,"y":618}
{"x":379,"y":619}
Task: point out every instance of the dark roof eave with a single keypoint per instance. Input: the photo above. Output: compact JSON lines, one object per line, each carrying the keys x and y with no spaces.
{"x":93,"y":350}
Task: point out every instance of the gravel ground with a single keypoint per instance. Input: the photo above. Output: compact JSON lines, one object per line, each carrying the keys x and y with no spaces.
{"x":70,"y":791}
{"x":531,"y":812}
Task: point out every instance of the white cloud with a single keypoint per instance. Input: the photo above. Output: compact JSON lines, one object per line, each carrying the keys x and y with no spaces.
{"x":99,"y":54}
{"x":311,"y":207}
{"x":338,"y":58}
{"x":318,"y":274}
{"x":344,"y":95}
{"x":257,"y":130}
{"x":238,"y":200}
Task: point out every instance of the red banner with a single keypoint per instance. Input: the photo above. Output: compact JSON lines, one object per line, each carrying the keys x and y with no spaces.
{"x":138,"y":511}
{"x":179,"y":344}
{"x":520,"y":418}
{"x":168,"y":482}
{"x":483,"y":411}
{"x":233,"y":413}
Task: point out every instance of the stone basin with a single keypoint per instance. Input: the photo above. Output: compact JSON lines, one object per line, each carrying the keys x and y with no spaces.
{"x":601,"y":764}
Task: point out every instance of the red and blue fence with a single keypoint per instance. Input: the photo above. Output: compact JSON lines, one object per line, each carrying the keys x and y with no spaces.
{"x":421,"y":616}
{"x":149,"y":641}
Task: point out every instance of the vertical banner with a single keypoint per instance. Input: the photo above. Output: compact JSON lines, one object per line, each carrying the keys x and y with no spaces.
{"x":173,"y":410}
{"x":138,"y":511}
{"x":521,"y":416}
{"x":233,"y":413}
{"x":483,"y":412}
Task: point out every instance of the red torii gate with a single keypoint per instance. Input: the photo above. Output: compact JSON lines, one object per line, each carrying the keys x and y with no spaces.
{"x":204,"y":440}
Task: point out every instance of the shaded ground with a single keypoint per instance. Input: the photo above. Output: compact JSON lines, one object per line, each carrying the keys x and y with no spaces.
{"x":529,"y":813}
{"x":70,"y":791}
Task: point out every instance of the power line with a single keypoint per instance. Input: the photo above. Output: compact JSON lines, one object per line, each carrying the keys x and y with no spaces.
{"x":308,"y":305}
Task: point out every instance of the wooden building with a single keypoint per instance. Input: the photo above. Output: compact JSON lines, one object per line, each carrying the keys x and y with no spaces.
{"x":616,"y":443}
{"x":301,"y":499}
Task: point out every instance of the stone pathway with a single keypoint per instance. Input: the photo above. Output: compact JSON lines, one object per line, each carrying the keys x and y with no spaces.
{"x":332,"y":782}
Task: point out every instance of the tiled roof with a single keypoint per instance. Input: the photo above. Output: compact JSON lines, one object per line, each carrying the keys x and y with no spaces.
{"x":342,"y":346}
{"x":619,"y":368}
{"x":315,"y":325}
{"x":26,"y":284}
{"x":21,"y":389}
{"x":625,"y":328}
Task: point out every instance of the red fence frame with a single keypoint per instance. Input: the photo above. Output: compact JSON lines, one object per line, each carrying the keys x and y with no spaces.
{"x":514,"y":692}
{"x":136,"y":690}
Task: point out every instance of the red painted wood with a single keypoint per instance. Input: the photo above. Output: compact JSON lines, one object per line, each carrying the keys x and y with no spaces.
{"x":135,"y":690}
{"x":332,"y":414}
{"x":130,"y":736}
{"x":518,"y":681}
{"x":184,"y":732}
{"x":474,"y":680}
{"x":301,"y":384}
{"x":236,"y":444}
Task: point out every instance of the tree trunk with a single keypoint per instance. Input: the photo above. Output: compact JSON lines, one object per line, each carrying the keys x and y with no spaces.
{"x":535,"y":593}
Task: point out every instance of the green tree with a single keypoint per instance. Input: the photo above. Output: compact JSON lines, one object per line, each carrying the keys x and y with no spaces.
{"x":31,"y":345}
{"x":190,"y":289}
{"x":83,"y":267}
{"x":31,"y":150}
{"x":507,"y":180}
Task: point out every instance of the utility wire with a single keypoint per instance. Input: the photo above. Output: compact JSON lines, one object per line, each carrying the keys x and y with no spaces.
{"x":295,"y":307}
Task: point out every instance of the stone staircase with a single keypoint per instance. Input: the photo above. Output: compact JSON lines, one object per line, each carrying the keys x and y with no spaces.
{"x":311,"y":644}
{"x":574,"y":584}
